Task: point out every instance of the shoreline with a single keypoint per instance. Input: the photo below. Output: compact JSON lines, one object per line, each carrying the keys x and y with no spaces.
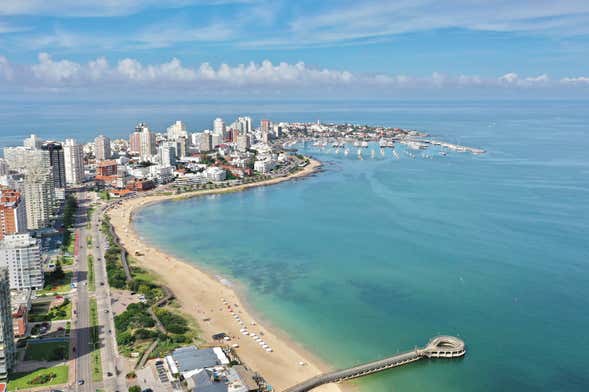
{"x":200,"y":293}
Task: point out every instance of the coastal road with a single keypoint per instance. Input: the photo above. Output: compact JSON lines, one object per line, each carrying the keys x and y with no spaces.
{"x":81,"y":309}
{"x":111,"y":361}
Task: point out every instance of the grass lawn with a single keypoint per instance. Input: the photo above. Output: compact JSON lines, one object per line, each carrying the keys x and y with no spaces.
{"x":57,"y":374}
{"x":91,"y":281}
{"x":39,"y":312}
{"x":51,"y":351}
{"x":57,"y":286}
{"x":95,"y":355}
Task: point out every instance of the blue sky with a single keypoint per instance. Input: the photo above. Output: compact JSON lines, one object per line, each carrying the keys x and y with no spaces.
{"x":453,"y":47}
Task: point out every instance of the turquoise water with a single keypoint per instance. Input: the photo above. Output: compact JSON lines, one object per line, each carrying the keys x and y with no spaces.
{"x":374,"y":256}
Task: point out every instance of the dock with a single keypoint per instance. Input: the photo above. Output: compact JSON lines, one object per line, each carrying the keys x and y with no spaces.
{"x":438,"y":347}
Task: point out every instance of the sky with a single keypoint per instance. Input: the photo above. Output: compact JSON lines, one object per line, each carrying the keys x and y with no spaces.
{"x":89,"y":49}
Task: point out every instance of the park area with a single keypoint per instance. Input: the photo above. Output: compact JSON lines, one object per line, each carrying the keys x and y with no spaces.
{"x":47,"y":351}
{"x":39,"y":378}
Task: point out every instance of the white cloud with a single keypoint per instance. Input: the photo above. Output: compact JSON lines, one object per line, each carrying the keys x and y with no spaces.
{"x":99,"y":8}
{"x":48,"y":73}
{"x":580,"y":80}
{"x":51,"y":71}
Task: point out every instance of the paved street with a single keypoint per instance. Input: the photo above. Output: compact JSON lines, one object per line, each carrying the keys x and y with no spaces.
{"x":111,"y":363}
{"x":81,"y":309}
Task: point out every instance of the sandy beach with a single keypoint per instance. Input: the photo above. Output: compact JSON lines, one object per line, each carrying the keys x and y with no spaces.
{"x":201,"y":296}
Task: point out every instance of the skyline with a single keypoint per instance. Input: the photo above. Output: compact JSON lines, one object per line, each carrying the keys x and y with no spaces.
{"x":219,"y":48}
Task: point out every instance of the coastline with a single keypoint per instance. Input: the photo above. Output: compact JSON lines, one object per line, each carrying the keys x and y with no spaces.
{"x":200,"y":295}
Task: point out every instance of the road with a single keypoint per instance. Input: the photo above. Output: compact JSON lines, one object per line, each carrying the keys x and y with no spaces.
{"x":111,"y":362}
{"x":81,"y":309}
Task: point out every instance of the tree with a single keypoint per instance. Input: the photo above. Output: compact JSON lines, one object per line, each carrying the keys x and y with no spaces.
{"x":134,"y":388}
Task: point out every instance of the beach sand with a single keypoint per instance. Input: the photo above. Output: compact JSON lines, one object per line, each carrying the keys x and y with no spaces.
{"x":201,"y":296}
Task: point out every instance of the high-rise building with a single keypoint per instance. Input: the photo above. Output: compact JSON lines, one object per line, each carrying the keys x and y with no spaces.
{"x":265,"y":125}
{"x":147,"y":142}
{"x":206,"y":142}
{"x":182,"y":147}
{"x":244,"y":124}
{"x":57,"y":162}
{"x":33,"y":142}
{"x":177,"y":130}
{"x":3,"y":167}
{"x":39,"y":195}
{"x":277,"y":131}
{"x":13,"y":215}
{"x":135,"y":142}
{"x":73,"y":155}
{"x":243,"y":142}
{"x":167,"y":152}
{"x":102,"y":149}
{"x":21,"y":158}
{"x":7,"y":346}
{"x":219,"y":127}
{"x":21,"y":254}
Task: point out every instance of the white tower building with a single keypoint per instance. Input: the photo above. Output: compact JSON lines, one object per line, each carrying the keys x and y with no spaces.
{"x":73,"y":155}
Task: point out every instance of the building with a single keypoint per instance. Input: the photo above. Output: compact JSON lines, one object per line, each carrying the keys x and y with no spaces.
{"x":266,"y":125}
{"x":277,"y":131}
{"x":206,"y":142}
{"x":243,"y":142}
{"x":264,"y":166}
{"x":147,"y":142}
{"x":20,"y":159}
{"x":244,"y":124}
{"x":13,"y":215}
{"x":21,"y":255}
{"x":73,"y":155}
{"x":214,"y":173}
{"x":102,"y":150}
{"x":33,"y":142}
{"x":39,"y":193}
{"x":167,"y":153}
{"x":57,"y":162}
{"x":182,"y":147}
{"x":3,"y":167}
{"x":189,"y":360}
{"x":7,"y":346}
{"x":106,"y":168}
{"x":135,"y":142}
{"x":219,"y":127}
{"x":177,"y":130}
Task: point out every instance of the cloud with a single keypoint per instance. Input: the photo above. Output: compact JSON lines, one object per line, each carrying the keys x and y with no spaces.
{"x":363,"y":20}
{"x":62,"y":74}
{"x":96,"y":8}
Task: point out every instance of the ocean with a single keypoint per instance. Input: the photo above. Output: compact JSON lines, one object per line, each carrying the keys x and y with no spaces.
{"x":375,"y":256}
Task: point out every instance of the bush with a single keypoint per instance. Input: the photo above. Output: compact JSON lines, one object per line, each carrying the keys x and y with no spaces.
{"x":172,"y":322}
{"x":125,"y":338}
{"x":42,"y":379}
{"x":134,"y":388}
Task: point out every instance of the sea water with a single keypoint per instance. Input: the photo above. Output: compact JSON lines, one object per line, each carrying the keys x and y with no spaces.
{"x":375,"y":256}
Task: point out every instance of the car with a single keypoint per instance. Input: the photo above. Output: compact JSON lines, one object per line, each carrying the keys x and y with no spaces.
{"x":102,"y":283}
{"x":81,"y":382}
{"x":105,"y":310}
{"x":109,"y":374}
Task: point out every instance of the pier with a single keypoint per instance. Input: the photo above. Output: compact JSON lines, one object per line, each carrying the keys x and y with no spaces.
{"x":438,"y":347}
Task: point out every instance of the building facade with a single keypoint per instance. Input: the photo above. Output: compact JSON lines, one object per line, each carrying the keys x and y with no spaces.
{"x":21,"y":255}
{"x":177,"y":130}
{"x":102,"y":149}
{"x":57,"y":162}
{"x":39,"y":195}
{"x":73,"y":155}
{"x":13,"y":215}
{"x":7,"y":346}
